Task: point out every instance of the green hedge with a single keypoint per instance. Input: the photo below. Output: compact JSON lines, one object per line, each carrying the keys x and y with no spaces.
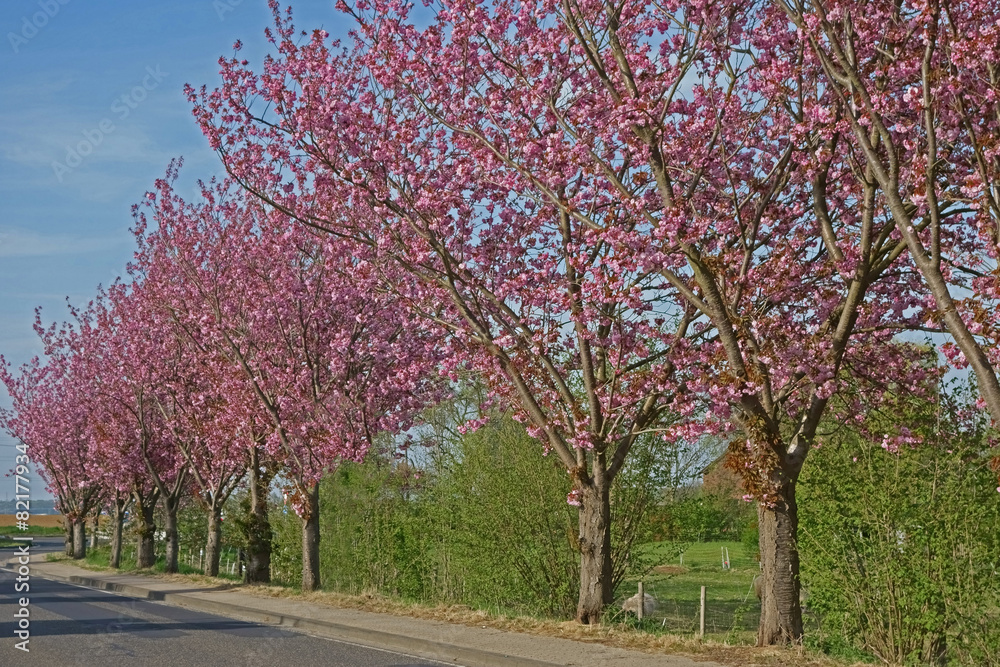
{"x":900,"y":552}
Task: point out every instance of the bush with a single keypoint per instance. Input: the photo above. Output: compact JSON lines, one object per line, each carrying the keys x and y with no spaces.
{"x":286,"y":545}
{"x":514,"y":537}
{"x":696,"y":516}
{"x":900,"y":551}
{"x":373,"y":537}
{"x":483,"y":522}
{"x":192,"y":528}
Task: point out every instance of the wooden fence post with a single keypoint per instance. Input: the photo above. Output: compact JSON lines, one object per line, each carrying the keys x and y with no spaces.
{"x":642,"y":600}
{"x":701,"y":621}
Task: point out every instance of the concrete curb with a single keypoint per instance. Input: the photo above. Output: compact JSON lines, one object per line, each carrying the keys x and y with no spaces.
{"x":415,"y":646}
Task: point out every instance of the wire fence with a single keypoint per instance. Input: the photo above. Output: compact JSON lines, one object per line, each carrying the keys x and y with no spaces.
{"x":678,"y":609}
{"x":684,"y":616}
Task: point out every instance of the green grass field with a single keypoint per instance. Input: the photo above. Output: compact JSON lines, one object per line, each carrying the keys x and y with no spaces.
{"x":731,"y":610}
{"x":101,"y":558}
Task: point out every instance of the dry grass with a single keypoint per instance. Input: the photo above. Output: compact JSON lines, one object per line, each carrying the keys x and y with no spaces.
{"x":610,"y":634}
{"x":40,"y":520}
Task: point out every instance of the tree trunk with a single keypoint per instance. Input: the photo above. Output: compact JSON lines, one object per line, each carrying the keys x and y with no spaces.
{"x":310,"y":539}
{"x":214,"y":542}
{"x":116,"y":535}
{"x":145,"y":555}
{"x":258,"y":565}
{"x":80,"y":538}
{"x":171,"y":505}
{"x":69,"y":536}
{"x":93,"y":530}
{"x":595,"y":550}
{"x":780,"y":608}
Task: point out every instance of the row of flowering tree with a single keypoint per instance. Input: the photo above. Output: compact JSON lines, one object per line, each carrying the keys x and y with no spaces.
{"x":235,"y":345}
{"x":616,"y":211}
{"x":686,"y":217}
{"x":49,"y":416}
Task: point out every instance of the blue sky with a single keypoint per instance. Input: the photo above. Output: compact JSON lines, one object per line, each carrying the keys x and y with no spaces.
{"x":91,"y":112}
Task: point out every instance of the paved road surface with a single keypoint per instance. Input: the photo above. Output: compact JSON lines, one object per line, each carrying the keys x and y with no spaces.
{"x":40,"y":545}
{"x":72,"y":625}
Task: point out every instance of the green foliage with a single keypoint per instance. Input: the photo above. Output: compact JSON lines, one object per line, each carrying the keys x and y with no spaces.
{"x":373,"y":538}
{"x":479,"y":519}
{"x":483,"y":522}
{"x":900,"y":551}
{"x":697,"y":516}
{"x":192,"y":526}
{"x":514,"y":536}
{"x":286,"y":545}
{"x":101,"y":556}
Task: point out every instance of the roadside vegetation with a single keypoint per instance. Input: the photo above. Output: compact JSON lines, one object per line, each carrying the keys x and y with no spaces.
{"x":475,"y":526}
{"x":514,"y":306}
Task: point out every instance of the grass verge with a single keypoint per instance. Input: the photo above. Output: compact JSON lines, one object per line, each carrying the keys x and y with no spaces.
{"x":99,"y":560}
{"x":648,"y":637}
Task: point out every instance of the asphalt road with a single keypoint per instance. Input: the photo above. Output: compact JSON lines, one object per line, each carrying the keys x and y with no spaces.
{"x":40,"y":545}
{"x":71,"y":625}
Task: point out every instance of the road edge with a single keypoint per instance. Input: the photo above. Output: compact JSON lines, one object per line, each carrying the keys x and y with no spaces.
{"x":416,"y":646}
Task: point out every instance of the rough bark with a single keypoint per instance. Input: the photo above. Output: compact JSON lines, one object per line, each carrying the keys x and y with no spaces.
{"x":93,"y":530}
{"x":781,"y":610}
{"x":145,"y":555}
{"x":213,"y":543}
{"x":80,"y":538}
{"x":310,"y":539}
{"x":68,"y":525}
{"x":171,"y":505}
{"x":116,"y":535}
{"x":258,"y":526}
{"x":595,"y":551}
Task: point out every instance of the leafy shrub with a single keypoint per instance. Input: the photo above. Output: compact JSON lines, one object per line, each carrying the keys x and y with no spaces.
{"x":697,"y":516}
{"x":484,"y":522}
{"x":286,"y":545}
{"x":900,"y":551}
{"x":479,"y":519}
